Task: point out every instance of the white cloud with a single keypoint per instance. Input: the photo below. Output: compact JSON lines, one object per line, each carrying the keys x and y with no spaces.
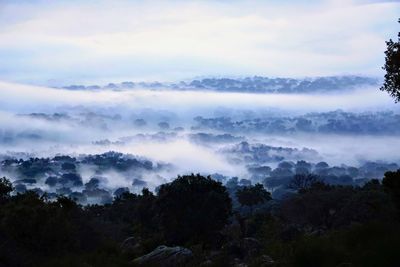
{"x":88,"y":41}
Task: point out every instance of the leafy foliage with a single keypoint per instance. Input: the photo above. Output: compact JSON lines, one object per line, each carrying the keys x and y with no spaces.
{"x":302,"y":182}
{"x":391,"y":184}
{"x":5,"y":187}
{"x":392,"y":68}
{"x":252,"y":195}
{"x":193,"y":208}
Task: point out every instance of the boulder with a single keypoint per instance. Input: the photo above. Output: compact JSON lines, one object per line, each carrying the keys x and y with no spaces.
{"x":165,"y":256}
{"x":266,"y":260}
{"x":128,"y":242}
{"x":131,"y":245}
{"x":207,"y":263}
{"x":238,"y":263}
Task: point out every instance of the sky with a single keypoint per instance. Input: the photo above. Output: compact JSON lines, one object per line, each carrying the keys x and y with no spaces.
{"x":68,"y":42}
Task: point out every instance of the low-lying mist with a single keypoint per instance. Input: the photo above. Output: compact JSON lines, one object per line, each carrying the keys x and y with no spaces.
{"x":222,"y":133}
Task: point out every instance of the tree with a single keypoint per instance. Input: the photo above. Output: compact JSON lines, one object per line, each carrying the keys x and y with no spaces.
{"x":252,"y":195}
{"x":192,"y":208}
{"x":302,"y":182}
{"x":391,"y":185}
{"x":392,"y":68}
{"x":68,"y":166}
{"x":5,"y":187}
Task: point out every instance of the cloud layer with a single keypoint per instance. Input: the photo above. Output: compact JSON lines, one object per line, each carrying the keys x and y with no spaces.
{"x":61,"y":42}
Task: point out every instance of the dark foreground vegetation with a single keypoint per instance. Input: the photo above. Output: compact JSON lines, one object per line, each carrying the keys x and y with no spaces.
{"x":196,"y":221}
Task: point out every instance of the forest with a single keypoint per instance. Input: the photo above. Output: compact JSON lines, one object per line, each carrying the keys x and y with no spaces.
{"x":196,"y":221}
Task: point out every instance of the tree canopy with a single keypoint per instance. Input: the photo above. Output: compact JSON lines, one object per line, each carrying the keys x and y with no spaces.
{"x":301,"y":182}
{"x":392,"y":68}
{"x":391,"y":184}
{"x":193,"y":208}
{"x":252,"y":195}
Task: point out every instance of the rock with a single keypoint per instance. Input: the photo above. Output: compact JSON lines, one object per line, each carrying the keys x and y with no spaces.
{"x":128,"y":241}
{"x":238,"y":263}
{"x":266,"y":260}
{"x":165,"y":256}
{"x":131,"y":245}
{"x":206,"y":263}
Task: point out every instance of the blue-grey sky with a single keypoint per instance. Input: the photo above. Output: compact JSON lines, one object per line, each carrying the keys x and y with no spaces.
{"x":64,"y":42}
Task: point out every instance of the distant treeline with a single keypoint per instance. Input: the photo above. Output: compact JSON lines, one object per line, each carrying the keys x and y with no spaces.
{"x":333,"y":122}
{"x":62,"y":175}
{"x":254,"y":84}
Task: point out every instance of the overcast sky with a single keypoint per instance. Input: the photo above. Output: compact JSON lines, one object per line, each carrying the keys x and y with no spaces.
{"x":64,"y":42}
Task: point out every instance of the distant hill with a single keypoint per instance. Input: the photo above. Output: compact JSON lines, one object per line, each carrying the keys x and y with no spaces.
{"x":254,"y":84}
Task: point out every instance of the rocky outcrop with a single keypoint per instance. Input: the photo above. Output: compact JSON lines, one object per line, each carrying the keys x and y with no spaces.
{"x":266,"y":260}
{"x":165,"y":256}
{"x":131,"y":245}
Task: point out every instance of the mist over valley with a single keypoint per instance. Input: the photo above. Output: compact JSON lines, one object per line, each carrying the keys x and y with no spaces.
{"x":219,"y":132}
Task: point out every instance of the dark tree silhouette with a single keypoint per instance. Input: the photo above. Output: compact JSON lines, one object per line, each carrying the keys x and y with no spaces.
{"x":391,"y":185}
{"x":5,"y":187}
{"x":192,"y":208}
{"x":301,"y":182}
{"x":392,"y":68}
{"x":252,"y":195}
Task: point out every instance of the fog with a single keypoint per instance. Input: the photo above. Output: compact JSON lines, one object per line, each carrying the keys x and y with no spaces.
{"x":20,"y":98}
{"x":195,"y":131}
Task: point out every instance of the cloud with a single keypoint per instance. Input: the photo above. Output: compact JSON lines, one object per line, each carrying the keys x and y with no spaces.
{"x":26,"y":98}
{"x":89,"y":117}
{"x":112,"y":40}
